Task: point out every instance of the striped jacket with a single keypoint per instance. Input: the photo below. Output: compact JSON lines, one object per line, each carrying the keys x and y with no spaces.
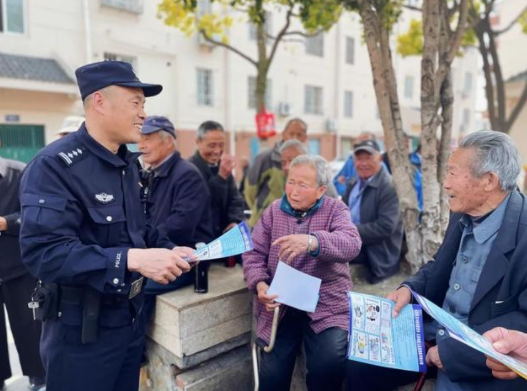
{"x":339,"y":243}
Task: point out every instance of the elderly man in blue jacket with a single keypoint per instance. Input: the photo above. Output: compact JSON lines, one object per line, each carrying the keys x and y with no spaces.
{"x":177,"y":197}
{"x":479,"y":273}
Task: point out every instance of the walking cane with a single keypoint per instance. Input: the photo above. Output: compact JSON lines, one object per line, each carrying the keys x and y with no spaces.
{"x":266,"y":349}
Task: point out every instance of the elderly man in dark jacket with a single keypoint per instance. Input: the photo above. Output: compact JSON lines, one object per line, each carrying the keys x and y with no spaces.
{"x":216,"y":167}
{"x":479,"y":273}
{"x":177,"y":197}
{"x":375,"y":210}
{"x":16,"y":284}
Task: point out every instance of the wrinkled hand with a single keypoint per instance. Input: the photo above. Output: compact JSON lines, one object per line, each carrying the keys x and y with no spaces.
{"x":227,"y":164}
{"x":432,"y":357}
{"x":401,"y":297}
{"x":293,"y":245}
{"x":187,"y":254}
{"x":511,"y":342}
{"x":267,"y":300}
{"x":160,"y":265}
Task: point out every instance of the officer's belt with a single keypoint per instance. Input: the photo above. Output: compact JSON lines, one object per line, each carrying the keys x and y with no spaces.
{"x":74,"y":295}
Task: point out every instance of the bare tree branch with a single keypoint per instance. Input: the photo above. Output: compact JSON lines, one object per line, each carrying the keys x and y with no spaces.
{"x":517,"y":109}
{"x":511,"y":24}
{"x":413,"y":8}
{"x":280,"y":36}
{"x":455,"y":43}
{"x":305,"y":35}
{"x":228,"y":47}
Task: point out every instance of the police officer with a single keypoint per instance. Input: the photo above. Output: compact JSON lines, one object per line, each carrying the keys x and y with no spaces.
{"x":84,"y":235}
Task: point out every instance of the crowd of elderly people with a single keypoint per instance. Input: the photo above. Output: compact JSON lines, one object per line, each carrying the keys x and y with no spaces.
{"x":478,"y":275}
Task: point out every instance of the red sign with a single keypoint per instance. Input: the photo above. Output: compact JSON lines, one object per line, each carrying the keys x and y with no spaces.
{"x":265,"y":124}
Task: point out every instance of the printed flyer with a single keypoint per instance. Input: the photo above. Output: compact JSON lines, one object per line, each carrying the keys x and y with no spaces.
{"x":469,"y":337}
{"x":376,"y":338}
{"x":233,"y":242}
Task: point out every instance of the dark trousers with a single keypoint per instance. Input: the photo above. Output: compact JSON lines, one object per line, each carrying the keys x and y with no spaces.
{"x":111,"y":363}
{"x":365,"y":377}
{"x":15,"y":294}
{"x":325,"y":355}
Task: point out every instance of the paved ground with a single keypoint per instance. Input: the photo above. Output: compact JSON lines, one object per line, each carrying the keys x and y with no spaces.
{"x":17,"y":382}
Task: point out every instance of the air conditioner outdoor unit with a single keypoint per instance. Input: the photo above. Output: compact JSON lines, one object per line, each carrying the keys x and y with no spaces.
{"x":284,"y":109}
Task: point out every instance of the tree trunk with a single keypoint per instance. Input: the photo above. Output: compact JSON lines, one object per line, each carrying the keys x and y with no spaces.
{"x":262,"y":65}
{"x":430,"y":120}
{"x":376,"y":34}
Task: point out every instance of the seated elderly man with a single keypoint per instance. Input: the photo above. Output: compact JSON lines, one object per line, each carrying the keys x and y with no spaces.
{"x":375,"y":210}
{"x":289,"y":150}
{"x":315,"y":235}
{"x":478,"y":275}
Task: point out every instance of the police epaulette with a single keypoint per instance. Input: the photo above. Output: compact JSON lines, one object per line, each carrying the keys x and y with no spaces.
{"x":73,"y":156}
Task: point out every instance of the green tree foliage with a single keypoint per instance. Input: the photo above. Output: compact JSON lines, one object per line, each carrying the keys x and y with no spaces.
{"x":411,"y":42}
{"x":186,"y":16}
{"x":523,"y":22}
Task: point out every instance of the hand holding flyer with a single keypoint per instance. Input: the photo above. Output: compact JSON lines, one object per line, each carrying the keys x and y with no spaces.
{"x":469,"y":337}
{"x":233,"y":242}
{"x":375,"y":337}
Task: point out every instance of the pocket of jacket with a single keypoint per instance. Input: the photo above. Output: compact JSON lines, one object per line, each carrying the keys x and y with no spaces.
{"x":500,"y":307}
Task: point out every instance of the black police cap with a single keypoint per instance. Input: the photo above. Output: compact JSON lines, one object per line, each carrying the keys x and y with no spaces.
{"x":95,"y":76}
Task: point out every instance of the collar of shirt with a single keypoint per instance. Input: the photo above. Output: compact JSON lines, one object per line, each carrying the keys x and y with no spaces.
{"x":286,"y":207}
{"x":488,"y":227}
{"x":119,"y":159}
{"x":3,"y":168}
{"x":162,"y":169}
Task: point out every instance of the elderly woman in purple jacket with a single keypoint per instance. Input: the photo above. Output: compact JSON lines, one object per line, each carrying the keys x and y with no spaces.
{"x":315,"y":235}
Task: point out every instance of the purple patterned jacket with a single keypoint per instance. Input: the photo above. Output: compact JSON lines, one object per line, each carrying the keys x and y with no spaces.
{"x":339,"y":243}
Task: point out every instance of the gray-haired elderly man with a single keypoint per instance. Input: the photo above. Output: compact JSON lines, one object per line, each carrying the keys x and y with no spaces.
{"x":478,"y":275}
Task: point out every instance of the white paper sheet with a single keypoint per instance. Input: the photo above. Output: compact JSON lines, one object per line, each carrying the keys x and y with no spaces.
{"x":294,"y":288}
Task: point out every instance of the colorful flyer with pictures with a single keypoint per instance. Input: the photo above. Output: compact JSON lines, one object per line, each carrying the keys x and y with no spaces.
{"x":233,"y":242}
{"x":376,"y":338}
{"x":469,"y":337}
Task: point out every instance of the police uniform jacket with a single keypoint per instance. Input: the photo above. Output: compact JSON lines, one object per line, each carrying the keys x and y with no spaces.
{"x":179,"y":203}
{"x":81,"y":213}
{"x":11,"y":265}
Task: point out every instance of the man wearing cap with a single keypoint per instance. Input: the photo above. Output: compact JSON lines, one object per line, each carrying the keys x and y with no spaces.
{"x":83,"y":234}
{"x":178,"y":199}
{"x":375,"y":210}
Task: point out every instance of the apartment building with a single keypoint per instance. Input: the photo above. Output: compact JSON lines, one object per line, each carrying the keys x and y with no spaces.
{"x":326,"y":80}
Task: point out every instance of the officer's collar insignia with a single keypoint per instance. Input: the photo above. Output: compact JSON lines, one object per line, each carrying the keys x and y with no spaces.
{"x":71,"y":157}
{"x":104,"y":198}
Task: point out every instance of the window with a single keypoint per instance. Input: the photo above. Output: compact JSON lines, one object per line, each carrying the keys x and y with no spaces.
{"x":350,"y":50}
{"x":409,"y":87}
{"x":268,"y":26}
{"x":12,"y":16}
{"x":251,"y":90}
{"x":120,"y":57}
{"x":467,"y":85}
{"x":131,"y":6}
{"x":313,"y":100}
{"x":315,"y":45}
{"x":205,"y":87}
{"x":466,"y":118}
{"x":348,"y":104}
